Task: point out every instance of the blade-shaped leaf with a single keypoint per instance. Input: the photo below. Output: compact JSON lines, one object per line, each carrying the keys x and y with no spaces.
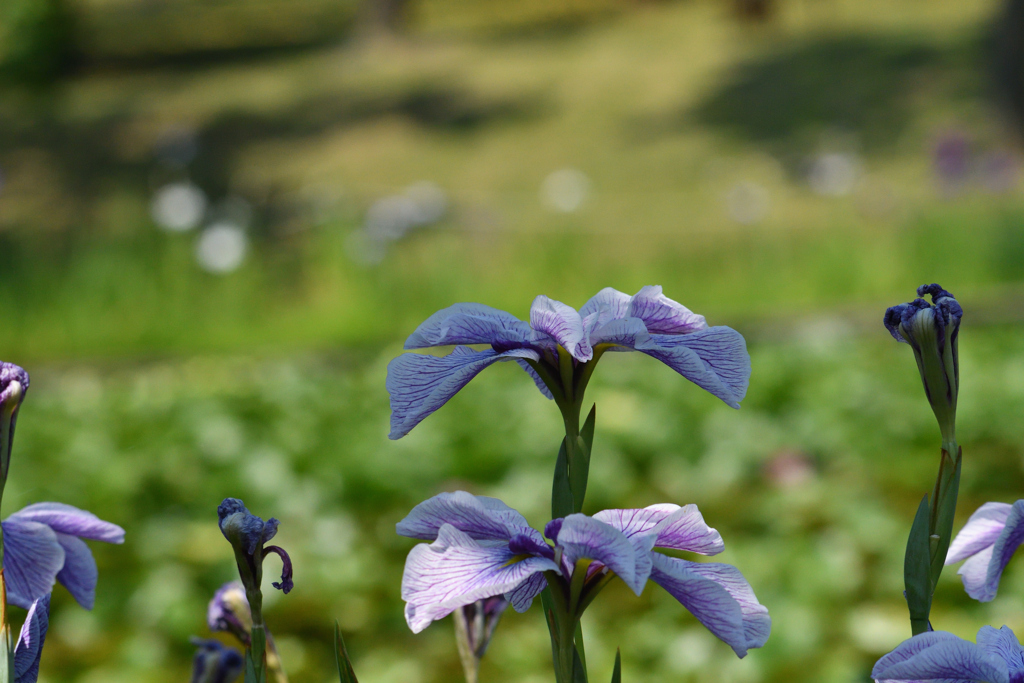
{"x":579,"y":468}
{"x":945,"y":510}
{"x":345,"y":672}
{"x":579,"y":643}
{"x":916,"y":570}
{"x":561,"y":491}
{"x":579,"y":671}
{"x":617,"y":671}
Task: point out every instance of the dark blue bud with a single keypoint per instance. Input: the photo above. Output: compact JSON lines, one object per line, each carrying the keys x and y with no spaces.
{"x":215,"y":663}
{"x":932,"y":331}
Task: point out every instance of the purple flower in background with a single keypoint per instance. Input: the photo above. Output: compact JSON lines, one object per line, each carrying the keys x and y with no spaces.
{"x":474,"y":628}
{"x":942,"y":657}
{"x":43,"y":543}
{"x":30,"y":642}
{"x":215,"y":663}
{"x":229,"y":611}
{"x":478,"y":620}
{"x":714,"y":358}
{"x":987,"y":542}
{"x":482,"y":548}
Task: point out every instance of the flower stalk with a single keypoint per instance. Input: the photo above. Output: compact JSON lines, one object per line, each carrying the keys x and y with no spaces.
{"x":932,"y":331}
{"x":248,"y":535}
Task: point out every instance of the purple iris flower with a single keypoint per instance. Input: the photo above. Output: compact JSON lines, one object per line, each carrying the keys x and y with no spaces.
{"x":229,"y":611}
{"x":30,"y":642}
{"x":714,"y":358}
{"x":482,"y":548}
{"x":942,"y":657}
{"x":988,"y":540}
{"x":215,"y":663}
{"x":43,"y":543}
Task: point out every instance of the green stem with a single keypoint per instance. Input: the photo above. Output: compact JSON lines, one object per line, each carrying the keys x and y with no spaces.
{"x":256,"y":653}
{"x":562,"y":624}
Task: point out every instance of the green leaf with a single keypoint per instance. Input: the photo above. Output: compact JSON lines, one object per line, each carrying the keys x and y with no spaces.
{"x":949,"y":484}
{"x":579,"y":645}
{"x":579,"y":671}
{"x":345,"y":672}
{"x":916,"y":570}
{"x":617,"y":671}
{"x":579,"y":468}
{"x":561,"y":492}
{"x":548,"y":602}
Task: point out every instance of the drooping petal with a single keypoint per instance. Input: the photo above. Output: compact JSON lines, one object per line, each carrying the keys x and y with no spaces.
{"x":974,"y":573}
{"x":420,"y":384}
{"x":535,"y":377}
{"x":79,"y":574}
{"x":910,"y":648}
{"x":609,"y":304}
{"x":1002,"y":550}
{"x":563,"y":324}
{"x":980,"y":531}
{"x":714,"y":359}
{"x":286,"y":583}
{"x":32,"y":558}
{"x":1003,"y":644}
{"x":522,"y":595}
{"x":29,"y":649}
{"x":469,"y":324}
{"x":582,"y":537}
{"x":67,"y":519}
{"x":456,"y":570}
{"x":479,"y":517}
{"x":662,"y":315}
{"x":720,"y":598}
{"x":938,"y":656}
{"x":680,"y":528}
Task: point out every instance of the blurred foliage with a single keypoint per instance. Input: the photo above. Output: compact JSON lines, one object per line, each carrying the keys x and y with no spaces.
{"x":812,"y":484}
{"x":35,"y":39}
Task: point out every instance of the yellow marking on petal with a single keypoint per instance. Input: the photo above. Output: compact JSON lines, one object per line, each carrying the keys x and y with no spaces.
{"x":516,"y":560}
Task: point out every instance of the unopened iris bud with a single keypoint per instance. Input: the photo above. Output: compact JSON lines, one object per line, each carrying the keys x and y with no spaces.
{"x":215,"y":663}
{"x":474,"y":626}
{"x":248,"y":535}
{"x":13,"y":386}
{"x":229,"y":611}
{"x":932,"y":330}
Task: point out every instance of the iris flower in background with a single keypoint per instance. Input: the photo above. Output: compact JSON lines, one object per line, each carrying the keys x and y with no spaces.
{"x":988,"y":540}
{"x":483,"y":548}
{"x":29,"y":649}
{"x":942,"y":657}
{"x":215,"y":663}
{"x":43,"y":544}
{"x":558,"y":338}
{"x":229,"y":611}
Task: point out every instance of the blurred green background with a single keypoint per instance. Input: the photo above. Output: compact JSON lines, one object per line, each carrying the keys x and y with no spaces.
{"x":220,"y":218}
